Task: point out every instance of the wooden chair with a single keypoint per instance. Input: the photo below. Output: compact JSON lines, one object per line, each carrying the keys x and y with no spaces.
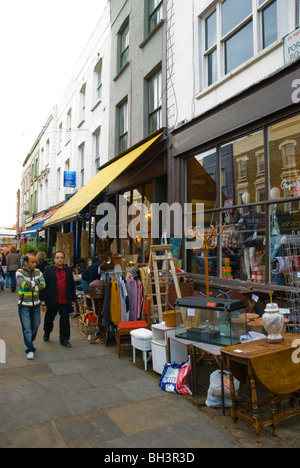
{"x":124,"y":328}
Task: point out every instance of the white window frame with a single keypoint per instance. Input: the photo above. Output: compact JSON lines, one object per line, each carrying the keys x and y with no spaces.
{"x":256,"y":17}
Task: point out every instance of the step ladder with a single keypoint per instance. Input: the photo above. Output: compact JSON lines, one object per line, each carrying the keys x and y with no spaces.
{"x":157,"y":285}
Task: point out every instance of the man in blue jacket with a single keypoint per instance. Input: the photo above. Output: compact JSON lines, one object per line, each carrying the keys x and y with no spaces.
{"x":59,"y":295}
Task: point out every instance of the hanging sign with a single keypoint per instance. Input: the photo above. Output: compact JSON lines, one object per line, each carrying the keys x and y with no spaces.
{"x":69,"y":179}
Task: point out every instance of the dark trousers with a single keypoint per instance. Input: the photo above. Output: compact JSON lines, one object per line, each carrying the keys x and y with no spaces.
{"x":64,"y":322}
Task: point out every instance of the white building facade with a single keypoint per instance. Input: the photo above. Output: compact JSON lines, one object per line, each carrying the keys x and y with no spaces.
{"x":74,"y":136}
{"x":234,"y":122}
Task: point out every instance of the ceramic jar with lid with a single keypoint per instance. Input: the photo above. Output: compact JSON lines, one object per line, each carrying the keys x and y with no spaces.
{"x":273,"y":322}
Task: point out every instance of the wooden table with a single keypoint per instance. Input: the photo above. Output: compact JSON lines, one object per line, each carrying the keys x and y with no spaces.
{"x":271,"y":365}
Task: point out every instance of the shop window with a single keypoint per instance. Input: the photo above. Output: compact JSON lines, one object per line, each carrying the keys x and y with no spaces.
{"x":245,"y":163}
{"x":285,"y":245}
{"x":136,"y":208}
{"x":202,"y":187}
{"x":284,"y":154}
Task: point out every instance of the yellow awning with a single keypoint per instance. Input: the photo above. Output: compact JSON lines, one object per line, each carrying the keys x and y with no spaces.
{"x":97,"y":184}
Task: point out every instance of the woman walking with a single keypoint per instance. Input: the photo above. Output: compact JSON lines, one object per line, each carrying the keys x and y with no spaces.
{"x":13,"y":263}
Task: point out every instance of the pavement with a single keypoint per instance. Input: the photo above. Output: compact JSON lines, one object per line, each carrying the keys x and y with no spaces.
{"x":85,"y":397}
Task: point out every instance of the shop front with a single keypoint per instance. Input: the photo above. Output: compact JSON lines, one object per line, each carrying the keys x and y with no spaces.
{"x":242,"y":161}
{"x":123,"y":185}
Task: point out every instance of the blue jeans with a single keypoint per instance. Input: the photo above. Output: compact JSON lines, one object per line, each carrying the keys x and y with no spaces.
{"x":7,"y":280}
{"x":30,"y":320}
{"x":13,"y":284}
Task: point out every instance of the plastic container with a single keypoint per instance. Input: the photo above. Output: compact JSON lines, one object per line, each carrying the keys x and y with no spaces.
{"x":169,"y":318}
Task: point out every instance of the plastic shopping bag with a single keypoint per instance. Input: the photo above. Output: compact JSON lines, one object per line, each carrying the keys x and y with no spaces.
{"x":174,"y":378}
{"x":214,"y":394}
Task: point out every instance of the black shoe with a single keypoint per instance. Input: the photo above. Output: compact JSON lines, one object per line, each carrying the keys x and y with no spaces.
{"x":66,"y":344}
{"x":46,"y":338}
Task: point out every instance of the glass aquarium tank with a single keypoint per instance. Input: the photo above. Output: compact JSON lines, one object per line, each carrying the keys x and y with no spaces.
{"x":214,"y":320}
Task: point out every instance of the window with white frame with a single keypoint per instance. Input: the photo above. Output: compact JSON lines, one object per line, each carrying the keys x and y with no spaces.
{"x":60,"y":137}
{"x":69,"y":125}
{"x":288,"y":153}
{"x":260,"y":159}
{"x":82,"y":104}
{"x":123,"y":126}
{"x":269,"y":21}
{"x":81,"y":155}
{"x":58,"y":181}
{"x":242,"y":168}
{"x":96,"y":144}
{"x":123,"y":45}
{"x":98,"y":80}
{"x":233,"y":32}
{"x":155,"y":102}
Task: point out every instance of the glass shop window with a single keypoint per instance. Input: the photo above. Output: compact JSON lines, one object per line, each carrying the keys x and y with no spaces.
{"x":202,"y":184}
{"x":284,"y":154}
{"x":135,"y":239}
{"x":285,"y":244}
{"x":196,"y":257}
{"x":243,"y":242}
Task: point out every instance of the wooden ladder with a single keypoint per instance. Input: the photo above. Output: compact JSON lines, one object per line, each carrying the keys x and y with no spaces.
{"x":159,"y":279}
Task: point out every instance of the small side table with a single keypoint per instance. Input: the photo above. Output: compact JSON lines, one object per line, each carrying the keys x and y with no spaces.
{"x":273,"y":366}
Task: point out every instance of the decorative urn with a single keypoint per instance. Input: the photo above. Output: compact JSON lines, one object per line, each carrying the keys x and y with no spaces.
{"x":273,"y":322}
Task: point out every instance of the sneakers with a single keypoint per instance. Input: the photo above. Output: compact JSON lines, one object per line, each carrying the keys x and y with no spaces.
{"x":30,"y":356}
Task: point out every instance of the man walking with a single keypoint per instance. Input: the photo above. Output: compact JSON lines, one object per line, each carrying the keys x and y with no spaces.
{"x":30,"y":283}
{"x":59,"y":295}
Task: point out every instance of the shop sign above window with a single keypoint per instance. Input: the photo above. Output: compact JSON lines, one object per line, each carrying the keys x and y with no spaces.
{"x":292,"y":46}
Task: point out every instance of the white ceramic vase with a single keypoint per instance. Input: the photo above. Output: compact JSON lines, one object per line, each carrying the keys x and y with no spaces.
{"x":273,"y":322}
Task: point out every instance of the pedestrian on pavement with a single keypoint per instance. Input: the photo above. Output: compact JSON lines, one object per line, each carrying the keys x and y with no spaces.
{"x":13,"y":263}
{"x":59,"y":295}
{"x":30,"y":283}
{"x":42,"y":261}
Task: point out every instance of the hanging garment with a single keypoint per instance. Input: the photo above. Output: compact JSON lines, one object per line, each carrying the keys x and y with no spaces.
{"x":106,"y":305}
{"x":123,"y":295}
{"x":133,"y":298}
{"x":115,"y":302}
{"x":140,"y":299}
